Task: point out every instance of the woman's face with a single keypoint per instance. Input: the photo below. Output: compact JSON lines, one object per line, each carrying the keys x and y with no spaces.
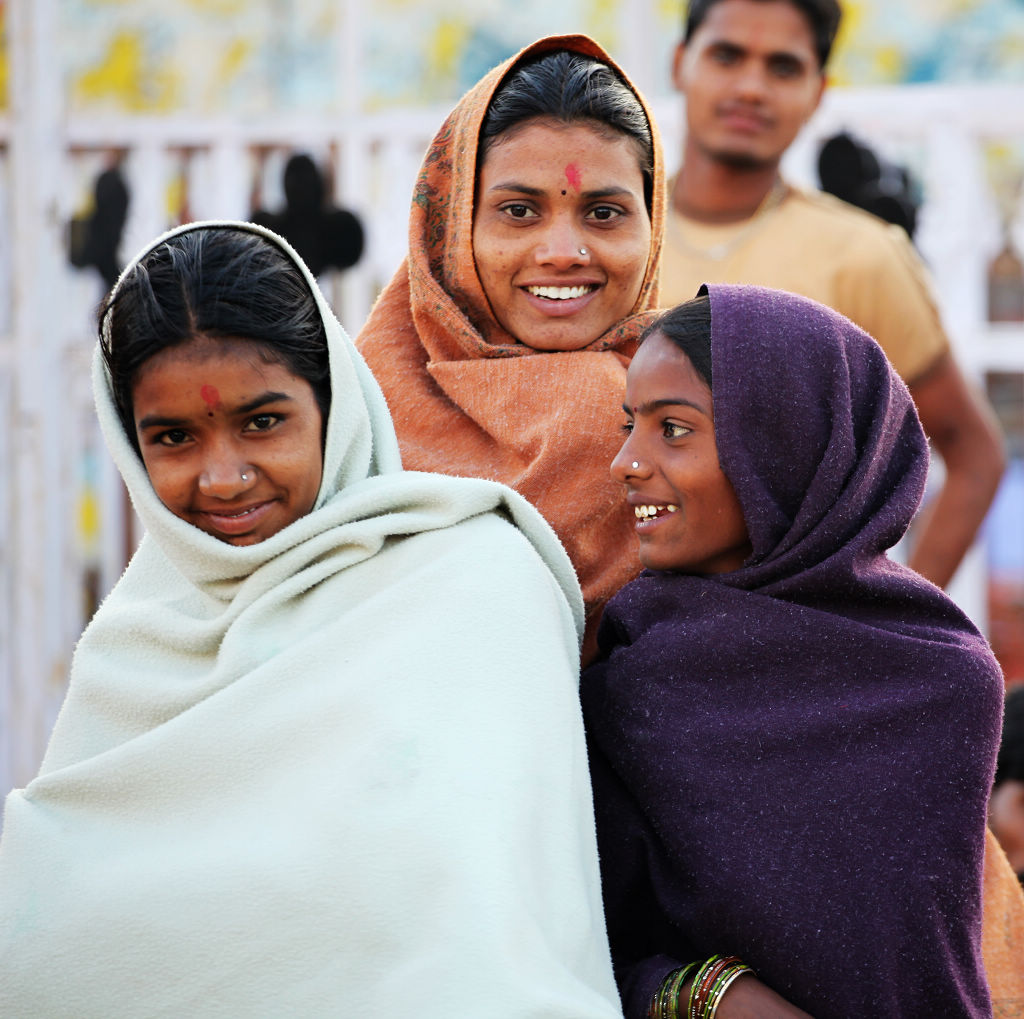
{"x":231,"y":441}
{"x":1006,"y":819}
{"x":561,"y":234}
{"x":688,"y":518}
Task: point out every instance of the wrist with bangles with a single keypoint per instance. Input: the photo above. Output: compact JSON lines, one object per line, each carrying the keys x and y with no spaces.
{"x":711,"y":979}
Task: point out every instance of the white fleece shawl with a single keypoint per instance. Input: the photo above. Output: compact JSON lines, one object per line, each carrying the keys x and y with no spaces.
{"x":337,"y":773}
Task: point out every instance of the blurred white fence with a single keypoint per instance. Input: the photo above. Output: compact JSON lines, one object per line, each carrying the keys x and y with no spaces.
{"x":65,"y":530}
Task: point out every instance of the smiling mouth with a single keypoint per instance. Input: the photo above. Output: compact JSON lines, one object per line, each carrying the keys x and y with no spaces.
{"x":237,"y":515}
{"x":561,"y":293}
{"x":234,"y":523}
{"x":650,"y":512}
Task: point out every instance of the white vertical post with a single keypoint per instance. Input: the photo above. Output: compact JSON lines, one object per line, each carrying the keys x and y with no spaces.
{"x":38,"y":654}
{"x":958,"y":268}
{"x":638,"y":49}
{"x":224,"y":190}
{"x":352,"y":184}
{"x":147,"y":176}
{"x":8,"y":497}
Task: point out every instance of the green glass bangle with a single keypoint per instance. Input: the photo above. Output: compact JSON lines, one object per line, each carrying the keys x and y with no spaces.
{"x":677,"y":987}
{"x":722,"y":984}
{"x":665,"y":1002}
{"x":695,"y":1004}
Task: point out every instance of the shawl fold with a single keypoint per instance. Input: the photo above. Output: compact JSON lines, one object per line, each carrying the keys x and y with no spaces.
{"x":301,"y":777}
{"x":792,"y":761}
{"x":467,"y":398}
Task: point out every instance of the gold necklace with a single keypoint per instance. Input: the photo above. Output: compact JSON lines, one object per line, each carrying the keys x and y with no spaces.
{"x":717,"y":252}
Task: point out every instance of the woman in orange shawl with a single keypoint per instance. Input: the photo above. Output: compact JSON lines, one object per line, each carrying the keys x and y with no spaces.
{"x":502,"y":342}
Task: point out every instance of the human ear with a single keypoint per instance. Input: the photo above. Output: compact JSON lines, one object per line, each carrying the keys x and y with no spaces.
{"x":822,"y":85}
{"x":678,"y":80}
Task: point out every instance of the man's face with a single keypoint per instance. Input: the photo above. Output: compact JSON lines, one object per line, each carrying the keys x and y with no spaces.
{"x":751,"y":79}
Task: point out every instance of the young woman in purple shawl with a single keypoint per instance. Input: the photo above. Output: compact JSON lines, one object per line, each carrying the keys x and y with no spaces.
{"x":792,"y":736}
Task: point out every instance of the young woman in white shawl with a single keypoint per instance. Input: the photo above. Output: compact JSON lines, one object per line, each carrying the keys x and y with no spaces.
{"x":321,"y":753}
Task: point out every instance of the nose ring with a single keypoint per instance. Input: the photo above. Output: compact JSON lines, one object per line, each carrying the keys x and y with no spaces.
{"x":636,"y":466}
{"x":583,"y":252}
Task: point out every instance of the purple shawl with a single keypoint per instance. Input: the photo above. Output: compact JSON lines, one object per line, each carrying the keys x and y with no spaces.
{"x":791,"y":762}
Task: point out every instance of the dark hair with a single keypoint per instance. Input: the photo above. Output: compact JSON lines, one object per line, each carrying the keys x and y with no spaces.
{"x":688,"y":326}
{"x":1010,"y":761}
{"x":217,"y":282}
{"x":822,"y":16}
{"x":569,"y":87}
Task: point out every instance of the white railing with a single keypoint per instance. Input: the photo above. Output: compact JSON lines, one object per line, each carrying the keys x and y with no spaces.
{"x":55,"y":473}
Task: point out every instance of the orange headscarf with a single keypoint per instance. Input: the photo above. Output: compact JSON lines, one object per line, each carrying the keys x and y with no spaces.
{"x":1002,"y":932}
{"x":467,"y":398}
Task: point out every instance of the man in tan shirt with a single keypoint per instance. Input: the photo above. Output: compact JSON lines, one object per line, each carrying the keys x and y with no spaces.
{"x":752,"y":72}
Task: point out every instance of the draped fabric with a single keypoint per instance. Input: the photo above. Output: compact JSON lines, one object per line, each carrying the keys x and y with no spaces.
{"x":467,"y":398}
{"x":301,"y":777}
{"x":792,"y":760}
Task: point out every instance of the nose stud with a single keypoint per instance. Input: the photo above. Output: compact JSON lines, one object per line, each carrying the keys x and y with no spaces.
{"x":245,"y":477}
{"x":583,"y":252}
{"x":636,"y":466}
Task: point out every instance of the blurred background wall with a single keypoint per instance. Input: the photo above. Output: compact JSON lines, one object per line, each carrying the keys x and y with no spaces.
{"x":169,"y":112}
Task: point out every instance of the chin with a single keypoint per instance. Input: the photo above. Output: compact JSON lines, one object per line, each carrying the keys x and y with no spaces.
{"x":560,"y":344}
{"x":744,"y":160}
{"x":654,"y":562}
{"x":238,"y":540}
{"x":248,"y":539}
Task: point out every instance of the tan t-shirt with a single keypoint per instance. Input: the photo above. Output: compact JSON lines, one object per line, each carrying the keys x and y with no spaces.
{"x":816,"y":245}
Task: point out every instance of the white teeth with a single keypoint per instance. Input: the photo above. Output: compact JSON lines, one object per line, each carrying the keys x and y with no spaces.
{"x":560,"y":293}
{"x":646,"y":512}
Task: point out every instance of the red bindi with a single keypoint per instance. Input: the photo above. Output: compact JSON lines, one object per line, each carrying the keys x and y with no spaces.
{"x":210,"y":397}
{"x":574,"y":176}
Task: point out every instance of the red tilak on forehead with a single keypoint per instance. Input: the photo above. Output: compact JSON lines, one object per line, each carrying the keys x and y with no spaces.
{"x":210,"y":396}
{"x":574,"y":176}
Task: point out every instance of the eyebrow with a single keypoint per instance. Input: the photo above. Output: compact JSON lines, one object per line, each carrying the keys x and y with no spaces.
{"x":525,"y":189}
{"x":653,"y":405}
{"x":262,"y":400}
{"x":734,"y":49}
{"x":156,"y":421}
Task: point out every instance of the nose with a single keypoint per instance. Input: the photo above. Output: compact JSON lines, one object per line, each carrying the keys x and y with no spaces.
{"x":221,"y":476}
{"x":622,"y":467}
{"x":751,"y":81}
{"x":563,"y":245}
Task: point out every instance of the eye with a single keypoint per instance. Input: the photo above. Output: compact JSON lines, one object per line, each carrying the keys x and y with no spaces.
{"x":172,"y":437}
{"x":261,"y":422}
{"x":604,"y":213}
{"x":628,"y":427}
{"x":785,"y":67}
{"x":516,"y":210}
{"x":671,"y":430}
{"x":725,"y":55}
